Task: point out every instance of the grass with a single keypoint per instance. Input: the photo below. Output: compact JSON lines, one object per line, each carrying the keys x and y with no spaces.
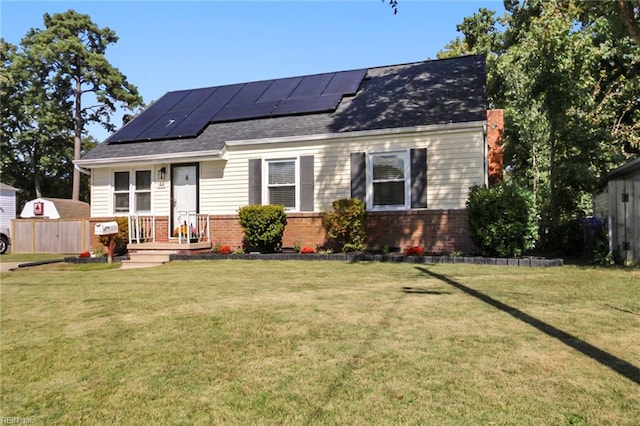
{"x":253,"y":342}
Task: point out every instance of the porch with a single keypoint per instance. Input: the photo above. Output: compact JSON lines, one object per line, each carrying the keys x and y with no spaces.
{"x":152,"y":231}
{"x":146,"y":249}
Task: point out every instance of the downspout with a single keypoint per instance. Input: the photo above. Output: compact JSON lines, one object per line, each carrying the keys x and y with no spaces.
{"x":485,"y":155}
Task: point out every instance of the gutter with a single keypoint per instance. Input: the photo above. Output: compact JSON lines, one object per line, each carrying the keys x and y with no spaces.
{"x":81,"y":169}
{"x":146,"y":159}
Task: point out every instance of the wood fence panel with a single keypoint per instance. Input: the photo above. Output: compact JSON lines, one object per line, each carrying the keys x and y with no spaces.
{"x":22,"y":236}
{"x":47,"y":233}
{"x":73,"y":236}
{"x":64,"y":236}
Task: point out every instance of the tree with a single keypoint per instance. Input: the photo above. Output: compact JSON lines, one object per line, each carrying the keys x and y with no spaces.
{"x":35,"y":127}
{"x":567,"y":75}
{"x":72,"y":48}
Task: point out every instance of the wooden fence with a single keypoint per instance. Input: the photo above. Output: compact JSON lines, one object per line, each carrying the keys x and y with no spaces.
{"x":68,"y":236}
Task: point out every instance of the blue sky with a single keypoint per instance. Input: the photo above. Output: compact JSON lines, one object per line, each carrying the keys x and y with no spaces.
{"x":172,"y":45}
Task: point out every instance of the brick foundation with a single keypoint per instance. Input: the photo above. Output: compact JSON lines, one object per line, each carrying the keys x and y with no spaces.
{"x":436,"y":231}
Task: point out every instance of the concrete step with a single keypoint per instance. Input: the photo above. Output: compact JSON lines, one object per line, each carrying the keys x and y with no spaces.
{"x":128,"y":264}
{"x":147,"y":258}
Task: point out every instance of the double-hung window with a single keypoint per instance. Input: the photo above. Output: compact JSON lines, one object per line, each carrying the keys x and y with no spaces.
{"x":389,"y":180}
{"x":121,"y":192}
{"x":288,"y":182}
{"x":281,"y":183}
{"x":132,"y":196}
{"x":143,"y":191}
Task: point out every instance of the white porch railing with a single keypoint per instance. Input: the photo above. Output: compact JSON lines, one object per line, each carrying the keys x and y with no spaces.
{"x":193,"y":226}
{"x":142,"y":229}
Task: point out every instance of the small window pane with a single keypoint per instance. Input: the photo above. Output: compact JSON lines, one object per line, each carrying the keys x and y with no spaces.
{"x":388,"y":193}
{"x":121,"y":181}
{"x":122,"y":202}
{"x":143,"y":180}
{"x":388,"y":167}
{"x":143,"y":201}
{"x":283,"y":195}
{"x":282,"y":172}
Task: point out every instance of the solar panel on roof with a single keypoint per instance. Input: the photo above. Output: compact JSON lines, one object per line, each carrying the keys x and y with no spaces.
{"x":134,"y":128}
{"x":312,"y":85}
{"x":137,"y":128}
{"x":166,"y":123}
{"x":250,"y":92}
{"x":194,"y":98}
{"x":192,"y":125}
{"x":244,"y":111}
{"x":186,"y":113}
{"x":280,"y":89}
{"x":345,"y":83}
{"x":306,"y":105}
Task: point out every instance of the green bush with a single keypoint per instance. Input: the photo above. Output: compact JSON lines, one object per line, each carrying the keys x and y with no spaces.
{"x":345,"y":225}
{"x":263,"y":227}
{"x":502,"y":219}
{"x":121,"y":239}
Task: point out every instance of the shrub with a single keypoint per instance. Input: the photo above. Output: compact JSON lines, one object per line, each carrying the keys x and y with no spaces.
{"x":502,"y":219}
{"x":121,"y":239}
{"x":345,"y":225}
{"x":263,"y":227}
{"x":415,"y":251}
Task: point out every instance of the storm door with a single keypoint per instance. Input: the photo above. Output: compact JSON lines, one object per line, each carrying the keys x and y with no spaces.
{"x":184,"y":192}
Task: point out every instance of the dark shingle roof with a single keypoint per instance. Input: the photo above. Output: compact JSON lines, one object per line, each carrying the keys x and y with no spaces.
{"x":422,"y":93}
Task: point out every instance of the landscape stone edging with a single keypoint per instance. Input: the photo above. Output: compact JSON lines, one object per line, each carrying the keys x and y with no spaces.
{"x":364,"y":257}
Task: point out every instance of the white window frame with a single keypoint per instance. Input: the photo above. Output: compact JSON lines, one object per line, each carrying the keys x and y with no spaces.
{"x":406,"y":158}
{"x":137,"y":191}
{"x":132,"y":192}
{"x":296,"y":184}
{"x":115,"y":192}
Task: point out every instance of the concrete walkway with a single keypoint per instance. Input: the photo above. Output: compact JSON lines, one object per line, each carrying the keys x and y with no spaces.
{"x":8,"y":266}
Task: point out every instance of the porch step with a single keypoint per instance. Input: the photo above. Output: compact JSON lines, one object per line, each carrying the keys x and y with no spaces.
{"x":147,"y":258}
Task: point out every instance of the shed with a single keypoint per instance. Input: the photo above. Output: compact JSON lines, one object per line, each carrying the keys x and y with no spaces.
{"x":56,"y":208}
{"x":7,"y":204}
{"x":619,"y":205}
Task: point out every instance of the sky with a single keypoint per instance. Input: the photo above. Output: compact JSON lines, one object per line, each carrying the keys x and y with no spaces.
{"x":172,"y":45}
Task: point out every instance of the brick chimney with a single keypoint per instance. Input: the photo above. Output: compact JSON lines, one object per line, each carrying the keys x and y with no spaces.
{"x":495,"y":138}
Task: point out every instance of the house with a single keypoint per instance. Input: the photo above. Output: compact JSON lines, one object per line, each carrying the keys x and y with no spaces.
{"x":619,"y":206}
{"x":409,"y":140}
{"x":7,"y":214}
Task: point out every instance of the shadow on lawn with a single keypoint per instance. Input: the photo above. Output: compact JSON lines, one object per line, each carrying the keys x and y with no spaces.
{"x":618,"y":365}
{"x":422,"y":290}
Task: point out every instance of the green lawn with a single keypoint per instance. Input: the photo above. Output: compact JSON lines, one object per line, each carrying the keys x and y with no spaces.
{"x":258,"y":342}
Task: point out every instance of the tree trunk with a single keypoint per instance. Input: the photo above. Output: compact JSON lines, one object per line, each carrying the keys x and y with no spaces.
{"x":36,"y":172}
{"x":553,"y":196}
{"x":77,"y":140}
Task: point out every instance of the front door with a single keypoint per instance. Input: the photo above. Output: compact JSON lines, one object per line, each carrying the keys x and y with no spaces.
{"x":184,"y":192}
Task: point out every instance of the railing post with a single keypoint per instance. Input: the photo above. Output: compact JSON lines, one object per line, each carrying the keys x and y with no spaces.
{"x":129,"y":228}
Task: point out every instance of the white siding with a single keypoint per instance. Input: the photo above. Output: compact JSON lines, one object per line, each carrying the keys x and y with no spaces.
{"x":102,"y":194}
{"x":7,"y":207}
{"x":455,"y":161}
